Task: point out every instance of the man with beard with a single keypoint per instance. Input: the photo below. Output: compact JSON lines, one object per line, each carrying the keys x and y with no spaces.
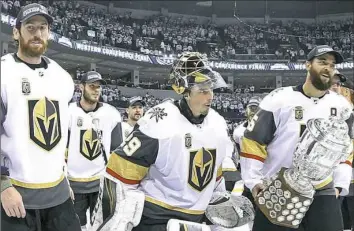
{"x":94,"y":128}
{"x":134,"y":111}
{"x":273,"y":133}
{"x":35,"y":93}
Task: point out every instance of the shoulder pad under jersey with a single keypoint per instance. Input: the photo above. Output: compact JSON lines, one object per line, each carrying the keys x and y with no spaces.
{"x":161,"y":121}
{"x":275,"y":99}
{"x":216,"y":120}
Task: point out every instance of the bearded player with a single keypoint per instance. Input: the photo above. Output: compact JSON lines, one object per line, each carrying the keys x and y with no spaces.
{"x":272,"y":136}
{"x":170,"y":165}
{"x":134,"y":111}
{"x":35,"y":93}
{"x":94,"y":127}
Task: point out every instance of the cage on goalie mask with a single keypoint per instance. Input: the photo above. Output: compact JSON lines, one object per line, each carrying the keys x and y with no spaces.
{"x":191,"y":69}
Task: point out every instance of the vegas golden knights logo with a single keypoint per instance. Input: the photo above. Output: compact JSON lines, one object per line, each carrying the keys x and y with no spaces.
{"x":201,"y":168}
{"x":44,"y":123}
{"x":90,"y":146}
{"x":299,"y":113}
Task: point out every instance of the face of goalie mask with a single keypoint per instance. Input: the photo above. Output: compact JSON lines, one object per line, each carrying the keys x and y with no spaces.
{"x":191,"y":70}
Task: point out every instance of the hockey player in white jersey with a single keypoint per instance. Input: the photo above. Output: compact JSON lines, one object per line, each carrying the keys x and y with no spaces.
{"x":251,"y":109}
{"x":170,"y":165}
{"x":94,"y":127}
{"x":344,"y":87}
{"x":35,"y":93}
{"x":271,"y":138}
{"x":134,"y":111}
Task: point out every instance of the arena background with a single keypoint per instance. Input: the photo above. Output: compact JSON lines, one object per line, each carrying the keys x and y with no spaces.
{"x":257,"y":46}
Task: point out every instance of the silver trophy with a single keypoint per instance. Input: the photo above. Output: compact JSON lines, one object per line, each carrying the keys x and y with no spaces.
{"x":323,"y":145}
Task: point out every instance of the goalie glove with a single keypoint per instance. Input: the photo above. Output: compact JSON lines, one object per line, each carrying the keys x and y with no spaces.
{"x":229,"y":211}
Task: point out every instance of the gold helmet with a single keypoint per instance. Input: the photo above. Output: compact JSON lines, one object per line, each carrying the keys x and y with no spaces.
{"x":191,"y":69}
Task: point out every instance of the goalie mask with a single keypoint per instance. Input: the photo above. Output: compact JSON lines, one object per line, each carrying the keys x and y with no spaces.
{"x":191,"y":70}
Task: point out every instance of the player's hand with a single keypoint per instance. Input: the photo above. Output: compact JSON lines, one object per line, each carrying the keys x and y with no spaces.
{"x":12,"y":203}
{"x":72,"y":195}
{"x":257,"y":189}
{"x":337,"y":192}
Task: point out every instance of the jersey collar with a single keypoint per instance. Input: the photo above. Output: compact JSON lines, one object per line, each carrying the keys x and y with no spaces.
{"x":300,"y":89}
{"x":99,"y":104}
{"x":44,"y":63}
{"x":187,"y":112}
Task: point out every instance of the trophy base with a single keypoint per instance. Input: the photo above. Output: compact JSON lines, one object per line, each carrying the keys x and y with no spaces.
{"x":281,"y":204}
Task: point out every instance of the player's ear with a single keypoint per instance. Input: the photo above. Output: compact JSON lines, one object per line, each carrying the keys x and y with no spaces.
{"x":126,"y":110}
{"x":308,"y":65}
{"x":16,"y":34}
{"x":82,"y":87}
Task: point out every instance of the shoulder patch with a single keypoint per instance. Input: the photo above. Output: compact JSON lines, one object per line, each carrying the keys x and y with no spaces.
{"x":160,"y":121}
{"x":157,"y":113}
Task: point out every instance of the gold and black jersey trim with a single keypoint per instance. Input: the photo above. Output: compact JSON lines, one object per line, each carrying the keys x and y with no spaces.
{"x":349,"y":160}
{"x":327,"y":183}
{"x":124,"y":170}
{"x":258,"y":135}
{"x":130,"y":161}
{"x":162,"y":211}
{"x":219,"y":174}
{"x":253,"y":150}
{"x":37,"y":185}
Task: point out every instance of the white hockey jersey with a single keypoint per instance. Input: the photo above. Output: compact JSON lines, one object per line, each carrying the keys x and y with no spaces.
{"x":271,"y":137}
{"x":85,"y":161}
{"x":34,"y":128}
{"x":174,"y":162}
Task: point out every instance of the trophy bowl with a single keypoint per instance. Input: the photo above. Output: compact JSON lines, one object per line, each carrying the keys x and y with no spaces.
{"x":288,"y":195}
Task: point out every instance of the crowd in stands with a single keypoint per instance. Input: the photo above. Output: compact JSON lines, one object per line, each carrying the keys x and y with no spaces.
{"x":172,"y":35}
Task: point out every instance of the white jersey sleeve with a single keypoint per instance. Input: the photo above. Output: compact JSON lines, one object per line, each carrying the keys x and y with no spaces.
{"x":259,"y":133}
{"x":342,"y":174}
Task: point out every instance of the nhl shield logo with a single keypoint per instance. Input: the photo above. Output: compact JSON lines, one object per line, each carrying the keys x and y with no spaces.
{"x":79,"y":122}
{"x":26,"y":86}
{"x":188,"y":140}
{"x":299,"y":113}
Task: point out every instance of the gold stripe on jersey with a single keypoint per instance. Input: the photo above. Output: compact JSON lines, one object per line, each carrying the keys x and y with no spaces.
{"x":352,"y":181}
{"x":349,"y":160}
{"x":66,"y":154}
{"x":174,"y":208}
{"x":124,"y":170}
{"x":324,"y":183}
{"x":37,"y":185}
{"x":229,"y":170}
{"x":219,"y":174}
{"x":89,"y":179}
{"x":252,"y":149}
{"x":237,"y":190}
